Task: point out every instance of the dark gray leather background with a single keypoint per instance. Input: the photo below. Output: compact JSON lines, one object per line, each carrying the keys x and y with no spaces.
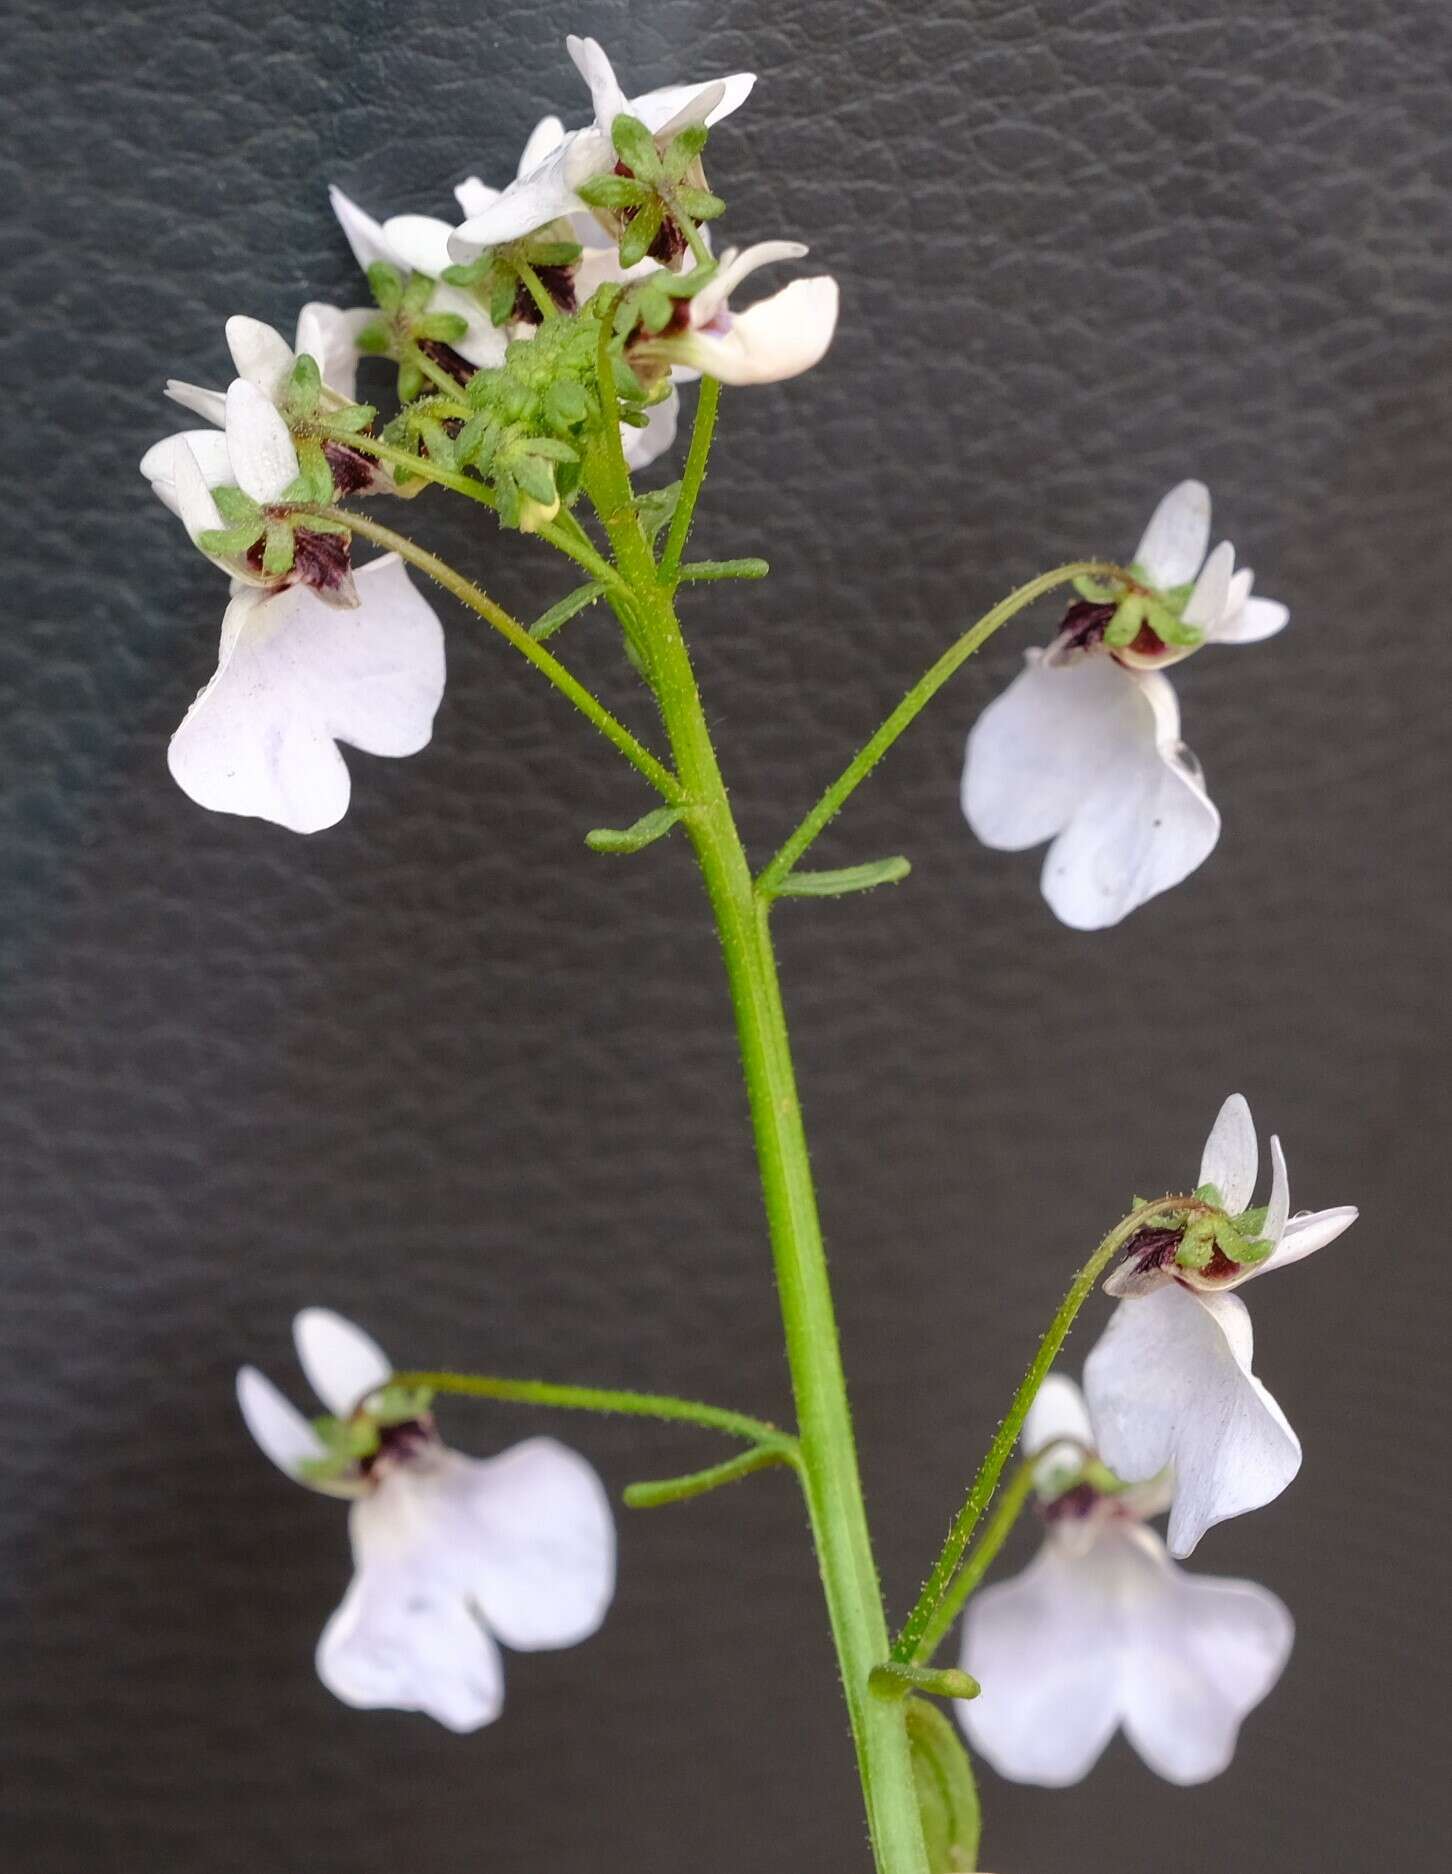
{"x":447,"y":1071}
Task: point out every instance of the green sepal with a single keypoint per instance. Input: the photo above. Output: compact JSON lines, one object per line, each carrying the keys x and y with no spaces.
{"x":386,"y":285}
{"x":445,"y":328}
{"x":234,"y":506}
{"x":682,"y":151}
{"x":1096,"y":591}
{"x":1241,"y":1249}
{"x":536,"y":476}
{"x":566,"y":403}
{"x":313,"y":472}
{"x":700,"y":204}
{"x":645,"y":831}
{"x":410,"y":381}
{"x":353,"y":418}
{"x":725,"y":569}
{"x":563,"y":610}
{"x":1125,"y":625}
{"x":838,"y":884}
{"x":551,"y":253}
{"x":502,"y":295}
{"x":639,"y":237}
{"x":399,"y":1405}
{"x":304,"y":385}
{"x":1197,"y":1245}
{"x":614,"y":192}
{"x":635,"y":146}
{"x":470,"y":272}
{"x":438,"y":441}
{"x":375,"y":340}
{"x":281,"y":550}
{"x":946,"y":1791}
{"x":1250,"y":1223}
{"x":229,"y":543}
{"x":1208,"y":1194}
{"x":418,"y":292}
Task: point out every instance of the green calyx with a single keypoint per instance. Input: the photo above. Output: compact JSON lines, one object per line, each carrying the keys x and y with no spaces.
{"x":406,"y":324}
{"x":1139,"y":607}
{"x":1237,"y":1239}
{"x":349,"y":1442}
{"x":276,"y":525}
{"x":501,"y":276}
{"x":657,"y":195}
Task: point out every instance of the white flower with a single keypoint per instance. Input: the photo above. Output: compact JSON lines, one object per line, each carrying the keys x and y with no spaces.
{"x":547,"y":191}
{"x":778,"y":337}
{"x":450,"y":1553}
{"x":1088,"y":755}
{"x":420,"y":244}
{"x":1102,"y":1630}
{"x":319,"y":656}
{"x":326,"y":334}
{"x":1170,"y":1382}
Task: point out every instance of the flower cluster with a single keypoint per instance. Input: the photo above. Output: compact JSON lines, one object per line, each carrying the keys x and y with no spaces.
{"x":1083,"y":749}
{"x":1102,"y":1629}
{"x":495,"y":327}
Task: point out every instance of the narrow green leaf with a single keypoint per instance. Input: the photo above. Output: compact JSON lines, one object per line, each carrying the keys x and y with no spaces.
{"x":849,"y":878}
{"x":535,"y":476}
{"x":946,"y":1790}
{"x":896,"y":1677}
{"x":656,"y":508}
{"x":563,"y":610}
{"x":646,"y":830}
{"x":725,"y":569}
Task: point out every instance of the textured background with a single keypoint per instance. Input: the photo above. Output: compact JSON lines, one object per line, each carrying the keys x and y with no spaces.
{"x":444,"y":1069}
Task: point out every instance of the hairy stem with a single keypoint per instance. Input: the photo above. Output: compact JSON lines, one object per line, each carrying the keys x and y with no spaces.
{"x":980,"y":1559}
{"x":648,"y":1405}
{"x":544,"y":661}
{"x":913,"y":704}
{"x":936,"y":1588}
{"x":692,"y":477}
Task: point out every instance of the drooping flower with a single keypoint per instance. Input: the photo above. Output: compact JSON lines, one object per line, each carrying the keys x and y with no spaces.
{"x":451,"y":1554}
{"x":778,"y":337}
{"x":1170,"y":1382}
{"x":1103,"y":1631}
{"x":312,"y":652}
{"x":1084,"y":747}
{"x":548,"y":191}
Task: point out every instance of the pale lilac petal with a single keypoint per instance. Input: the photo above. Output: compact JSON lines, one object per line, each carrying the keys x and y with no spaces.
{"x":280,"y":1429}
{"x":263,"y":458}
{"x":403,"y":1640}
{"x":295,"y":677}
{"x":1170,"y":1383}
{"x":777,"y":338}
{"x":211,"y":404}
{"x":533,"y":1540}
{"x":343,"y":1364}
{"x":1043,"y":1646}
{"x":1231,"y":1159}
{"x":1173,"y":545}
{"x":1202,"y":1654}
{"x":364,"y":234}
{"x":260,"y":353}
{"x":643,"y":446}
{"x":1308,"y":1232}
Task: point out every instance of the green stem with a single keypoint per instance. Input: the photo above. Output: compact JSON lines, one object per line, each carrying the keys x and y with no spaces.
{"x":537,"y":292}
{"x":702,"y":430}
{"x":937,"y":1586}
{"x":828,"y":1453}
{"x":436,"y":374}
{"x":656,"y":1495}
{"x":648,"y":1405}
{"x":982,"y":1557}
{"x":469,"y":594}
{"x":916,"y":700}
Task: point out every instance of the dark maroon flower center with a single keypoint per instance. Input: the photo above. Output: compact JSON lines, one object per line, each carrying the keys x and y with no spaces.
{"x":1087,"y":620}
{"x":558,"y":282}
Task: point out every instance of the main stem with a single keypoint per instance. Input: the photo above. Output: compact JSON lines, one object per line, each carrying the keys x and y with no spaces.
{"x":831,"y":1482}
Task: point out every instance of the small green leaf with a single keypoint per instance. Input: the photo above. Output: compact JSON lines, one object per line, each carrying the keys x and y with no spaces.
{"x":535,"y":476}
{"x":563,"y":610}
{"x":550,"y":448}
{"x":656,"y":509}
{"x":895,"y":1678}
{"x":848,"y":879}
{"x":566,"y":403}
{"x":314,"y":473}
{"x":638,"y":238}
{"x":387,"y":286}
{"x":635,"y":146}
{"x":946,"y":1791}
{"x":725,"y":569}
{"x":649,"y":828}
{"x":613,"y":192}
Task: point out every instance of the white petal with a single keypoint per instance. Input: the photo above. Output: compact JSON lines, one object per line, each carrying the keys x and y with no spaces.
{"x":1308,"y":1232}
{"x":1044,"y":1648}
{"x":211,"y":404}
{"x":343,"y":1364}
{"x":591,"y":63}
{"x":329,"y":336}
{"x":1058,"y":1411}
{"x":260,"y":353}
{"x":776,"y":338}
{"x":277,"y":1425}
{"x":213,"y":466}
{"x":674,"y":103}
{"x":1207,"y":602}
{"x":1035,"y":751}
{"x":364,"y":234}
{"x":419,"y":242}
{"x":547,"y":136}
{"x":1231,"y":1158}
{"x":1145,"y":824}
{"x":734,"y":268}
{"x":533,"y":1540}
{"x":296,"y":676}
{"x":264,"y":461}
{"x":1202,"y":1653}
{"x":545,"y":194}
{"x":484,"y":343}
{"x":474,"y":195}
{"x":642,"y":446}
{"x":192,"y":487}
{"x":1174,"y":543}
{"x":1170,"y":1382}
{"x":403,"y":1640}
{"x":1255,"y":620}
{"x":1279,"y":1207}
